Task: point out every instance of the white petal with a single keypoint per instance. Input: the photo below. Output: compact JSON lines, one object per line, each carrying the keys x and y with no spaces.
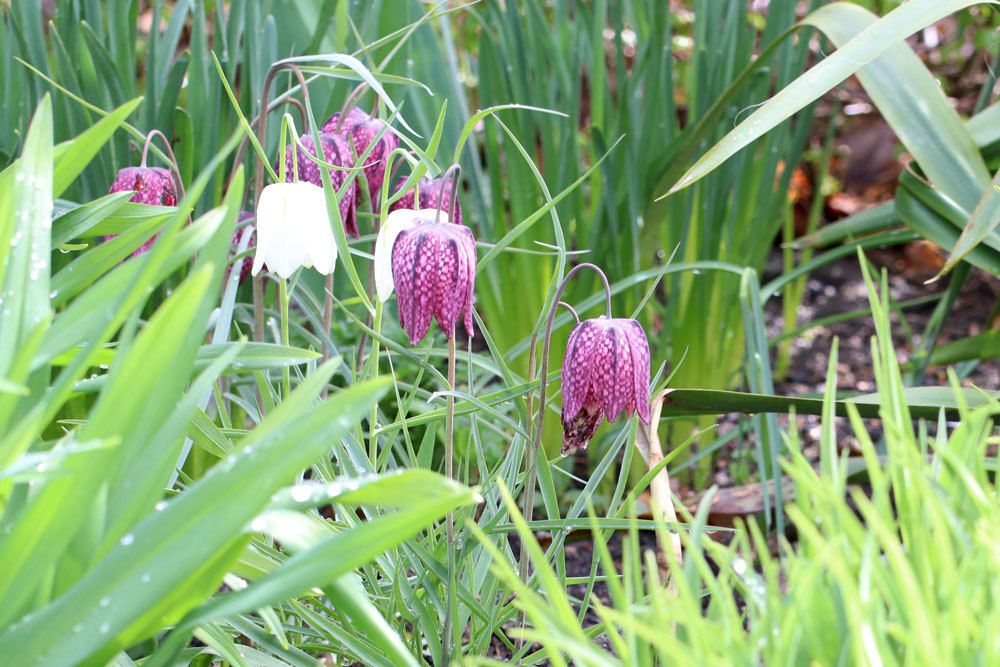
{"x":293,"y":229}
{"x":396,"y":222}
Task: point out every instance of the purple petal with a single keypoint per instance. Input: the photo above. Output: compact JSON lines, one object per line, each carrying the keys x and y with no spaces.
{"x":612,"y":380}
{"x":152,"y":185}
{"x":640,"y":363}
{"x":578,"y":367}
{"x":433,"y":269}
{"x":431,"y":196}
{"x":362,"y":129}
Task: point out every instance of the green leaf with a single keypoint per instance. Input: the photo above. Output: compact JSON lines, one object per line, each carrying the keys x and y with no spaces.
{"x":982,"y":223}
{"x":162,"y":551}
{"x":73,"y":156}
{"x":854,"y":54}
{"x":923,"y":402}
{"x":25,"y":238}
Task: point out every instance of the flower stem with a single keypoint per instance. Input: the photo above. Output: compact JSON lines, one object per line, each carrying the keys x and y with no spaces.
{"x":454,"y":173}
{"x":373,"y":439}
{"x":449,"y":467}
{"x":531,"y":465}
{"x":258,"y":308}
{"x":286,"y":379}
{"x":327,"y":314}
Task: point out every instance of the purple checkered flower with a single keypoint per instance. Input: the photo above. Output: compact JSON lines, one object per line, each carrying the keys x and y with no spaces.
{"x":336,"y":151}
{"x":434,"y":274}
{"x":605,"y":373}
{"x":152,"y":185}
{"x":431,"y":196}
{"x":363,"y":129}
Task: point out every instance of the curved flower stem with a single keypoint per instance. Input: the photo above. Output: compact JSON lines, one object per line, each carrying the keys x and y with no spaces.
{"x":454,"y":172}
{"x":241,"y":149}
{"x":449,"y":467}
{"x":349,"y":102}
{"x":174,"y":165}
{"x":258,"y":182}
{"x":531,"y":465}
{"x":572,"y":311}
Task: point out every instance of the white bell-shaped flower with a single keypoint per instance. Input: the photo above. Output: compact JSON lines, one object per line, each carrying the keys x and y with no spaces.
{"x":395,"y":223}
{"x":293,"y":230}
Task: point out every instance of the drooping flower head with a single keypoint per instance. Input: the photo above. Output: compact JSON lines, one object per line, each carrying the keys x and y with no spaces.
{"x":337,"y":152}
{"x":362,"y":130}
{"x":152,"y":185}
{"x":434,"y":274}
{"x":605,"y":373}
{"x":293,"y":230}
{"x":431,"y":196}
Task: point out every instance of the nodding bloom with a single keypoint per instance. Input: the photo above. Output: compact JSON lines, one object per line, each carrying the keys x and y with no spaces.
{"x":362,"y":129}
{"x":152,"y":185}
{"x":433,"y":268}
{"x":605,"y":372}
{"x":431,"y":196}
{"x":336,"y":151}
{"x":293,"y":230}
{"x":247,"y":262}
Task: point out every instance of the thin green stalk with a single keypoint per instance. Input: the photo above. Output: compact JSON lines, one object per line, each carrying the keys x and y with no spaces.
{"x":286,"y":378}
{"x":449,"y":468}
{"x":376,"y":348}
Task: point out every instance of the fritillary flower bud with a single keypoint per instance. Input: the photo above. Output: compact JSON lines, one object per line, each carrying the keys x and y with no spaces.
{"x":362,"y":129}
{"x":152,"y":185}
{"x":293,"y":230}
{"x":337,"y":152}
{"x":434,"y":273}
{"x":431,"y":196}
{"x":605,"y":373}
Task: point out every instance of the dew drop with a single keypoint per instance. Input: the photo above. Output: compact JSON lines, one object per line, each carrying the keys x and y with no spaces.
{"x":160,"y":506}
{"x":127,"y":539}
{"x":301,"y":493}
{"x":104,"y":628}
{"x":105,"y":601}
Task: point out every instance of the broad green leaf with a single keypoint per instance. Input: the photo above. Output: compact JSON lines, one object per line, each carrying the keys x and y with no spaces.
{"x":854,"y":54}
{"x":158,"y":555}
{"x":913,"y":103}
{"x":78,"y":221}
{"x":982,"y":223}
{"x":73,"y":156}
{"x":923,"y":402}
{"x":140,"y":394}
{"x":25,"y":239}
